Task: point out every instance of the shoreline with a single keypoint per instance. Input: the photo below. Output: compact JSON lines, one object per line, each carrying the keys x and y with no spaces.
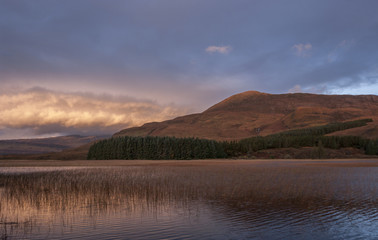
{"x":372,"y":162}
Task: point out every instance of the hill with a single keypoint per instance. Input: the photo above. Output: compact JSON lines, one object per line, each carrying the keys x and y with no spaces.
{"x":254,"y":113}
{"x":43,"y":145}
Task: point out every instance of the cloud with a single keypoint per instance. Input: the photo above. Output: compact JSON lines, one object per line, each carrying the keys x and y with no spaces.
{"x":339,"y":50}
{"x":133,"y":49}
{"x":296,"y":89}
{"x":302,"y":50}
{"x":51,"y":112}
{"x":219,"y":49}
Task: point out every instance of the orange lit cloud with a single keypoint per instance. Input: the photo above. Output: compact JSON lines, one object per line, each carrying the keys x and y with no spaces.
{"x":219,"y":49}
{"x":45,"y":111}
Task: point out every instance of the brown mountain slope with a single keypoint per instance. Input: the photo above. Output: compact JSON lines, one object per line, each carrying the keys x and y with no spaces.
{"x":251,"y":113}
{"x":43,"y":145}
{"x":78,"y":153}
{"x":369,"y":131}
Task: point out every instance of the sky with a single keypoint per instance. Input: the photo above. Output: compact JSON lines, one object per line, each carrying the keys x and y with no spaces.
{"x":94,"y":67}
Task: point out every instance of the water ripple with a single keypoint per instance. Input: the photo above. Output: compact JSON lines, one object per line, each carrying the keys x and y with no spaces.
{"x":150,"y":203}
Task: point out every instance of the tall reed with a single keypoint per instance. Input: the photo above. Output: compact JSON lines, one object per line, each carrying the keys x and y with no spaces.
{"x":94,"y":191}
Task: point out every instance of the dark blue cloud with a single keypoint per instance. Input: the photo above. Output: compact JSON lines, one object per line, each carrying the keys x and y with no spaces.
{"x":157,"y":49}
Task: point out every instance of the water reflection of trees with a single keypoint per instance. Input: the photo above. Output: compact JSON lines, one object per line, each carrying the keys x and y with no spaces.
{"x":42,"y":199}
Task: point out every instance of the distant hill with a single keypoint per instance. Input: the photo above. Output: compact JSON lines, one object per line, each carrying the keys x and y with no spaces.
{"x":44,"y":145}
{"x":254,"y":113}
{"x":238,"y":117}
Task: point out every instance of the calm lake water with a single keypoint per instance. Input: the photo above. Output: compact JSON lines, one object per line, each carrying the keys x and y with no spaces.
{"x":264,"y":200}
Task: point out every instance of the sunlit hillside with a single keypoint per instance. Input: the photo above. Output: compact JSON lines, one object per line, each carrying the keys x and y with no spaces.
{"x":253,"y":113}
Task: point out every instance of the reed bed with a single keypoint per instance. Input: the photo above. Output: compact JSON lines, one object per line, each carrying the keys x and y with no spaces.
{"x":93,"y":191}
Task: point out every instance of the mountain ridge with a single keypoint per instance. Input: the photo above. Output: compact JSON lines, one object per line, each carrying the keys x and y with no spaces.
{"x":253,"y":113}
{"x":44,"y":145}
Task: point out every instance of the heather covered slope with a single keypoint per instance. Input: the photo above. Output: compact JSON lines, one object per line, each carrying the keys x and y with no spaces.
{"x":43,"y":145}
{"x":253,"y":113}
{"x":370,"y":131}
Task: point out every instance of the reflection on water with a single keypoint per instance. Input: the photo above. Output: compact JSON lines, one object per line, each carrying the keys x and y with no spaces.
{"x":263,"y":201}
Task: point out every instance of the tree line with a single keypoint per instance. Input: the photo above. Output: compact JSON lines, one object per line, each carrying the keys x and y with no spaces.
{"x":128,"y":147}
{"x":324,"y":129}
{"x":156,"y":148}
{"x":306,"y":137}
{"x":250,"y":145}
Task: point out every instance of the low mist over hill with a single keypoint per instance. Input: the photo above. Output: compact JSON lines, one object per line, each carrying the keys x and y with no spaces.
{"x":254,"y":113}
